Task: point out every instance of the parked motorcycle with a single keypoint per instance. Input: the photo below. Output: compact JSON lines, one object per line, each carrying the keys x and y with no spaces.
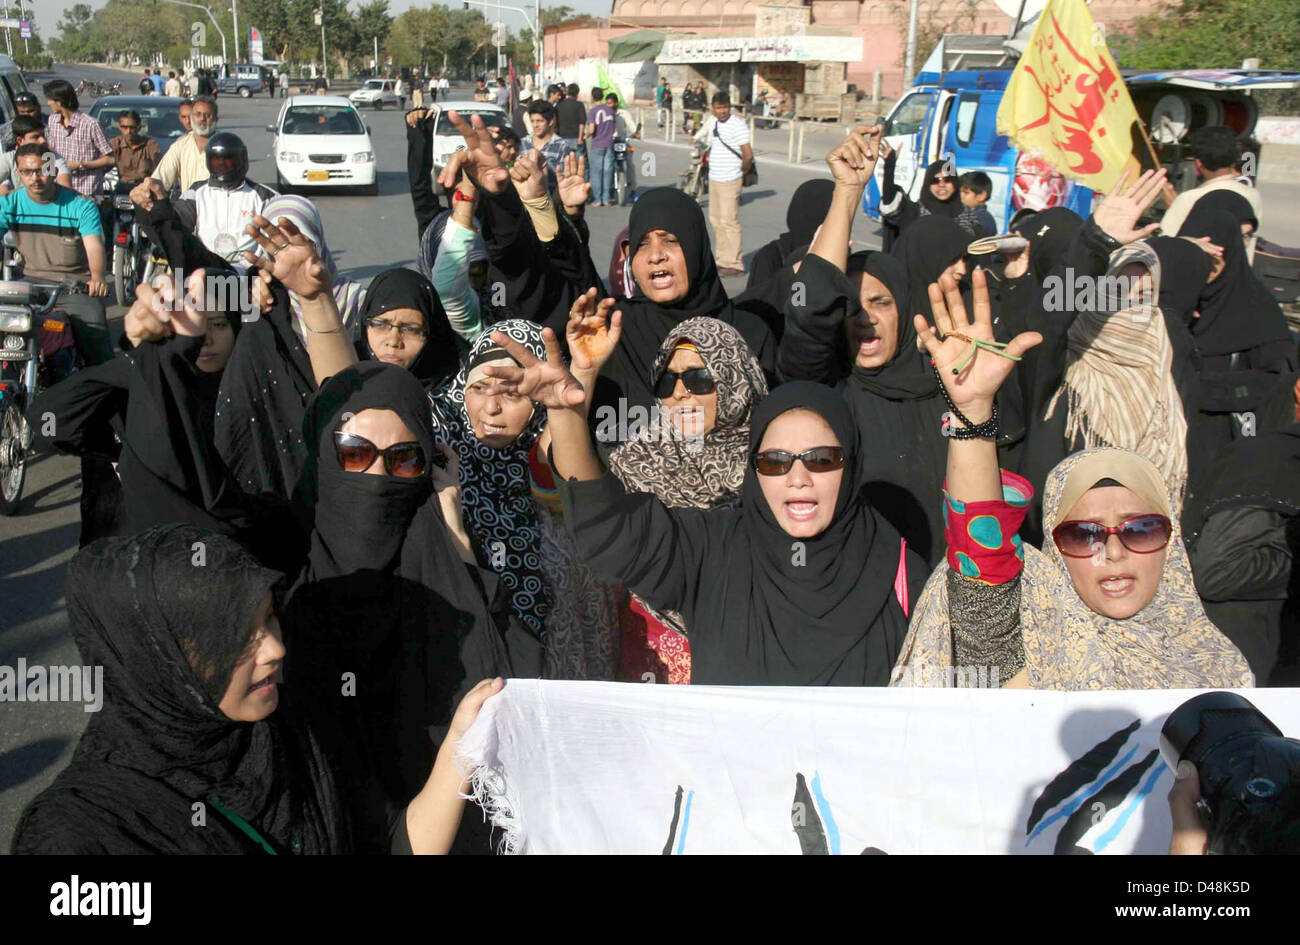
{"x":36,"y":351}
{"x":695,"y":179}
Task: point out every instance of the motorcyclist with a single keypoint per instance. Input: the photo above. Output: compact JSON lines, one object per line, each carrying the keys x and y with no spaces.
{"x":218,"y":209}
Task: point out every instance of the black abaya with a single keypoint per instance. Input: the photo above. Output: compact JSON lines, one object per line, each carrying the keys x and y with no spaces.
{"x":765,"y":609}
{"x":168,"y":636}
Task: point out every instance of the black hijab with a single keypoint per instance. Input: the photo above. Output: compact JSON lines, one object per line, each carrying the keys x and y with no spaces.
{"x":168,"y":634}
{"x":264,"y":391}
{"x":817,"y":619}
{"x":808,"y":207}
{"x":925,"y":249}
{"x":907,"y":374}
{"x":930,"y":204}
{"x":1237,"y":310}
{"x":1232,"y":203}
{"x":439,"y":359}
{"x":385,"y":596}
{"x":628,"y":374}
{"x":1257,"y":471}
{"x":1050,"y":233}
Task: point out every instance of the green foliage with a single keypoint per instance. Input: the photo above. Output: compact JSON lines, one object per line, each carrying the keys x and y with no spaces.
{"x":1212,"y":34}
{"x":34,"y":62}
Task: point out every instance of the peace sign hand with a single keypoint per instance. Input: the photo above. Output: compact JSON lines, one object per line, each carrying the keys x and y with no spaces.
{"x":973,"y":387}
{"x":547,"y":382}
{"x":481,"y":161}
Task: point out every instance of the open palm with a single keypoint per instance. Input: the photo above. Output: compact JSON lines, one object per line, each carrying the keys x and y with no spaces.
{"x":290,"y":257}
{"x":481,"y":161}
{"x":591,"y":333}
{"x":976,"y":384}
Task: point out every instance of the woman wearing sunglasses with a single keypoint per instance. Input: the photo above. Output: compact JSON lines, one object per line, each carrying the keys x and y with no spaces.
{"x":1109,"y":602}
{"x":803,"y":584}
{"x":695,"y":456}
{"x":390,"y":622}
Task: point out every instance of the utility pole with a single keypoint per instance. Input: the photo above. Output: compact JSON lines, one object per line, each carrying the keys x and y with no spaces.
{"x":234,"y":9}
{"x":324,"y":60}
{"x":909,"y":60}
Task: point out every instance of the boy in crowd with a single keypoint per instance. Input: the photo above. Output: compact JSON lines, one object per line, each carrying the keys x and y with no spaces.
{"x":975,"y":189}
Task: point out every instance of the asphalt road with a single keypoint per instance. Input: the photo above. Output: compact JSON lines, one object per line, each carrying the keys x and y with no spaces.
{"x":366,"y":235}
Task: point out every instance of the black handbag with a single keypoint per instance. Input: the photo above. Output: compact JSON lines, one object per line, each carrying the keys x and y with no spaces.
{"x":751,"y":175}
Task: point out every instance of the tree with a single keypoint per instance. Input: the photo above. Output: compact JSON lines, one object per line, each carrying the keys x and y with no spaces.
{"x":138,"y":28}
{"x":271,"y":20}
{"x":373,"y":23}
{"x":935,"y":19}
{"x":554,"y":16}
{"x":74,"y":41}
{"x":1212,"y":34}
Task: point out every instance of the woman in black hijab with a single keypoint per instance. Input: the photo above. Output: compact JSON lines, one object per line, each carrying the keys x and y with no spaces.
{"x":808,"y":207}
{"x":1240,"y":325}
{"x":386,"y":601}
{"x":1050,"y":233}
{"x":804,"y":584}
{"x":939,"y":197}
{"x":424,"y":344}
{"x":161,"y":400}
{"x":869,"y":354}
{"x":190,"y":659}
{"x":674,"y":279}
{"x":932,"y":246}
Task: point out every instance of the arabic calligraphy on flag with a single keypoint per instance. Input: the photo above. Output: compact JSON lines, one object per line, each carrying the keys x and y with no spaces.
{"x":1067,"y":101}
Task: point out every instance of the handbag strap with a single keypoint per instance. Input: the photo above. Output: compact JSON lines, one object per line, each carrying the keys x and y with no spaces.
{"x":725,"y":144}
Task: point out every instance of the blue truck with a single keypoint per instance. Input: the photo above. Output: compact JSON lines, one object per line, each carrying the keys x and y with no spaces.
{"x":953,"y":114}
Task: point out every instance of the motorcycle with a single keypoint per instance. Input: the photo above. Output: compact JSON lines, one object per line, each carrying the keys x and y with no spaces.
{"x":695,"y":179}
{"x":36,"y":351}
{"x":622,"y":159}
{"x":133,"y":256}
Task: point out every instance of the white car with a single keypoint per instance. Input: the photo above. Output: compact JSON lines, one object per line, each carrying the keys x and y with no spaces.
{"x":447,"y":140}
{"x":376,"y":93}
{"x":321,"y":141}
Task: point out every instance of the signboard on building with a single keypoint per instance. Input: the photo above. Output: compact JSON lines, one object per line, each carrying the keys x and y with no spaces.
{"x":761,"y":49}
{"x":254,"y":45}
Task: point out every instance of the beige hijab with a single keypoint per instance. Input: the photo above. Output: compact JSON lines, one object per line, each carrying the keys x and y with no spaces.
{"x":1169,"y":644}
{"x":1119,"y":385}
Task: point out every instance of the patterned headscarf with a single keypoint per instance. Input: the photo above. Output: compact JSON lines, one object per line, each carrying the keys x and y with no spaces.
{"x":495,"y":497}
{"x":1169,"y":644}
{"x":698,"y":472}
{"x":1119,"y":384}
{"x":304,"y":215}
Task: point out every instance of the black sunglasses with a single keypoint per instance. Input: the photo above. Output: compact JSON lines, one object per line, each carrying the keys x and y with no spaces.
{"x":697,"y":380}
{"x":357,"y":454}
{"x":819,"y":459}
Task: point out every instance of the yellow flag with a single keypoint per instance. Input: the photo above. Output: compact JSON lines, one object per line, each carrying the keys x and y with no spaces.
{"x":1067,"y":102}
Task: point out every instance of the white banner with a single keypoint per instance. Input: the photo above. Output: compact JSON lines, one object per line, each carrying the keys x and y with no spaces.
{"x":580,"y":767}
{"x":795,"y":48}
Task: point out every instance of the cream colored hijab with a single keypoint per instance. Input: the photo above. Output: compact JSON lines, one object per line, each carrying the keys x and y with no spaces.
{"x":1169,"y":644}
{"x":1119,"y":384}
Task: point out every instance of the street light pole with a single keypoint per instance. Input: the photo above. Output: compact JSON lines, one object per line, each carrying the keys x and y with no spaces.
{"x":909,"y":59}
{"x":324,"y":56}
{"x":220,"y":31}
{"x":234,"y":9}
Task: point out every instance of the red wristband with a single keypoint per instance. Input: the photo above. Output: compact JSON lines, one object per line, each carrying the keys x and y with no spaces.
{"x":458,"y":197}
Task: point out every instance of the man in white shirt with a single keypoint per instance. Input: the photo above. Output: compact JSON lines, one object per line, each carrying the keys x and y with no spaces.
{"x":730,"y":157}
{"x":172,"y":86}
{"x":1216,"y":152}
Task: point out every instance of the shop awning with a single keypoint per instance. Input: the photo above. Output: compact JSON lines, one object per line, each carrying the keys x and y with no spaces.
{"x":637,"y":46}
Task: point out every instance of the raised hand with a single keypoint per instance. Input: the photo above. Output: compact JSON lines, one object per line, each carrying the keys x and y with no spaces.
{"x":529,"y":174}
{"x":1119,"y":210}
{"x":290,"y":257}
{"x":973,"y":387}
{"x":547,"y":382}
{"x":853,"y":161}
{"x":1017,"y":263}
{"x":157,"y":313}
{"x":572,"y":183}
{"x":591,"y":333}
{"x":481,"y":161}
{"x":146,"y":193}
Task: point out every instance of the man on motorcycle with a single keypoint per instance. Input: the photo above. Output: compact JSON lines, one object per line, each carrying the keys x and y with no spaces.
{"x":28,"y":130}
{"x":58,"y":233}
{"x":185,"y":160}
{"x":136,"y":155}
{"x":25,"y":103}
{"x":218,"y":209}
